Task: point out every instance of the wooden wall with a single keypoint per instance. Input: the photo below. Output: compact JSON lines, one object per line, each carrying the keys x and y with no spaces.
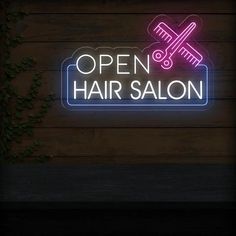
{"x":54,"y":29}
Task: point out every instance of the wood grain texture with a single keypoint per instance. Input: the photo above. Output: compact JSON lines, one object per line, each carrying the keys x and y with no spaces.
{"x":49,"y":55}
{"x":151,"y":144}
{"x":219,"y":115}
{"x":54,"y":29}
{"x":110,"y":27}
{"x":130,"y":6}
{"x":116,"y":183}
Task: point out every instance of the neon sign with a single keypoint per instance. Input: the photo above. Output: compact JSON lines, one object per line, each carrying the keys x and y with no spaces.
{"x":172,"y":72}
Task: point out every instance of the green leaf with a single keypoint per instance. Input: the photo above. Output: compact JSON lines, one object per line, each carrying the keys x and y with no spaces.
{"x":14,"y":127}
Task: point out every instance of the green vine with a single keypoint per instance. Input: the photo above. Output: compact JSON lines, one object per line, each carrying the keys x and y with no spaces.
{"x":16,"y":122}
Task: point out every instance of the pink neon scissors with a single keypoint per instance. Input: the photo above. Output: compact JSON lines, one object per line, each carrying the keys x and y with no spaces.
{"x":165,"y":56}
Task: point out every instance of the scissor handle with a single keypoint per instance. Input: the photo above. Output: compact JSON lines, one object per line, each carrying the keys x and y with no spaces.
{"x":161,"y":56}
{"x":167,"y":63}
{"x":158,"y":55}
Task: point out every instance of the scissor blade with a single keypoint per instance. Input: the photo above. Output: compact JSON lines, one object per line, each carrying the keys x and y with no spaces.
{"x":178,"y":42}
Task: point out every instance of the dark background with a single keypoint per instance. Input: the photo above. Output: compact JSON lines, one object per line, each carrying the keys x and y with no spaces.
{"x":124,"y":171}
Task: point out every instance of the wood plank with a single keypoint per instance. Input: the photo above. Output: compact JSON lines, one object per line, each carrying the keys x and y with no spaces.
{"x":131,"y":6}
{"x":220,"y":114}
{"x":143,"y":183}
{"x":174,"y":144}
{"x":50,"y":55}
{"x":110,"y":27}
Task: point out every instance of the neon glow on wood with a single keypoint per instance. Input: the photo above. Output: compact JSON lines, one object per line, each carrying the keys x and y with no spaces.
{"x":171,"y":72}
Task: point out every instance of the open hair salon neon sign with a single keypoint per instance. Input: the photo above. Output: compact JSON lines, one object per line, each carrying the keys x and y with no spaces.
{"x":172,"y":72}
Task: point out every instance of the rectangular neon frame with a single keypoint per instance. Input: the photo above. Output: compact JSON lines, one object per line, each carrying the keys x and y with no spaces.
{"x":138,"y":105}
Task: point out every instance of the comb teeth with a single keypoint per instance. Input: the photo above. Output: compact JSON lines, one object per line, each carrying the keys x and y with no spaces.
{"x":191,"y":59}
{"x":164,"y":36}
{"x":197,"y":62}
{"x":168,"y":38}
{"x":182,"y":50}
{"x":189,"y":56}
{"x":162,"y":33}
{"x":157,"y":29}
{"x":185,"y":53}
